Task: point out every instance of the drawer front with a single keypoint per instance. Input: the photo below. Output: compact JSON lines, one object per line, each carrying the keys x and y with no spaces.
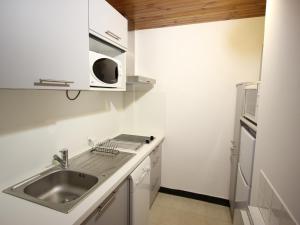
{"x":104,"y":20}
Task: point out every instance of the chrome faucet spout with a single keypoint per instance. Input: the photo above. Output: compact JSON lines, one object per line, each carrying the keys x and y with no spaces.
{"x":64,"y":159}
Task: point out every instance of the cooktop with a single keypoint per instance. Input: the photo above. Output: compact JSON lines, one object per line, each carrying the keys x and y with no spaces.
{"x":131,"y":142}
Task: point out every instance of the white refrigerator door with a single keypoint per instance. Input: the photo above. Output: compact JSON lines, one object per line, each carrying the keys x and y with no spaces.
{"x":247,"y":147}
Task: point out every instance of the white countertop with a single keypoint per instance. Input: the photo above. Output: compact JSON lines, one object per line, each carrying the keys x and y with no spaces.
{"x":16,"y":211}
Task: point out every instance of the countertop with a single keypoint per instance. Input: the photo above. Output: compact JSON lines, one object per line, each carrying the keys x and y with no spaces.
{"x":16,"y":211}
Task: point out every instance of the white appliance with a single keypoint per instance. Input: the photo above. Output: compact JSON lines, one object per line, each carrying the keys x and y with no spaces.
{"x":140,"y":194}
{"x":251,"y":102}
{"x":247,"y":94}
{"x":105,"y":71}
{"x":239,"y":111}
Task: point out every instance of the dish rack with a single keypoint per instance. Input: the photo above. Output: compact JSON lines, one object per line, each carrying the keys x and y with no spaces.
{"x":106,"y":146}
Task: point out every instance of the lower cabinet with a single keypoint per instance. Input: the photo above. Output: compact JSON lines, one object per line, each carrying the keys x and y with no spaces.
{"x":114,"y":210}
{"x":155,"y":174}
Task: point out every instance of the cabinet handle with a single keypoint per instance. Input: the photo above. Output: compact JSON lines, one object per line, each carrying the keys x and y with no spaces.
{"x":55,"y":83}
{"x":107,"y":203}
{"x":113,"y":35}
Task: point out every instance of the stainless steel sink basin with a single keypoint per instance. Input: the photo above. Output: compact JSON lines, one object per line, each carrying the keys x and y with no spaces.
{"x":61,"y":186}
{"x":59,"y":189}
{"x":62,"y":189}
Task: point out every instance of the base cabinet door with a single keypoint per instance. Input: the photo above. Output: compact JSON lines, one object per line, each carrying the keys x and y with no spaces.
{"x":155,"y":174}
{"x":114,"y":210}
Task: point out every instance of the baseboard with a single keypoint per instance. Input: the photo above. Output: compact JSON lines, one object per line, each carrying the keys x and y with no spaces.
{"x":186,"y":194}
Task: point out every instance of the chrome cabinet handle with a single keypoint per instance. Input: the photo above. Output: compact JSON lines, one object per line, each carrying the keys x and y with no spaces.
{"x":113,"y":35}
{"x":105,"y":205}
{"x":56,"y":83}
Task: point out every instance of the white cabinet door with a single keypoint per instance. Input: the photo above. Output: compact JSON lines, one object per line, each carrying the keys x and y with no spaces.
{"x":155,"y":174}
{"x":114,"y":210}
{"x":107,"y":22}
{"x":45,"y":40}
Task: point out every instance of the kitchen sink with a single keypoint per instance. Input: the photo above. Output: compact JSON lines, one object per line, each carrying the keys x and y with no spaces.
{"x":62,"y":189}
{"x":61,"y":186}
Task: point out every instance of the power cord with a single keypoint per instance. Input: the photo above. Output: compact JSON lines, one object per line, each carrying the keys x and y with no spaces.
{"x":72,"y":99}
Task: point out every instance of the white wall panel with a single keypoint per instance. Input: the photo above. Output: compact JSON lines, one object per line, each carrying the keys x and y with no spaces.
{"x":196,"y":67}
{"x":277,"y":150}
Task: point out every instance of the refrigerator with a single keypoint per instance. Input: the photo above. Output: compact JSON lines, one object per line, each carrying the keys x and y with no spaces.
{"x":235,"y":142}
{"x":245,"y":119}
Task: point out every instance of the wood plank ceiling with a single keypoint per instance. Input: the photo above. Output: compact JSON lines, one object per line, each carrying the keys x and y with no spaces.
{"x":144,"y":14}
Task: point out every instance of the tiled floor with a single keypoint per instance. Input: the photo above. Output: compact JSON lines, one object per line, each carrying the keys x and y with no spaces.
{"x":174,"y":210}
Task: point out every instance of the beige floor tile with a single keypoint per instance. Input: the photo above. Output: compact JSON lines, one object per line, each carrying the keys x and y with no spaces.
{"x":213,"y":221}
{"x":174,"y":210}
{"x":218,"y":212}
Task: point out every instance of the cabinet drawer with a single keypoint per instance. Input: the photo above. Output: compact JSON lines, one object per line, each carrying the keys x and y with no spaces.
{"x":107,"y":22}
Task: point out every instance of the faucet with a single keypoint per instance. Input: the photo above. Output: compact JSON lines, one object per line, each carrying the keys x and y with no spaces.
{"x":64,"y":160}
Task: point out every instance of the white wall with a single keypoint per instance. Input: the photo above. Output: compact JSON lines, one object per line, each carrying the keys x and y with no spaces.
{"x":278,"y":140}
{"x":196,"y":67}
{"x":35,"y":125}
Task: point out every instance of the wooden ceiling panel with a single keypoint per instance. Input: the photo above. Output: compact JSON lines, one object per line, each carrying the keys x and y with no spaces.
{"x":144,"y":14}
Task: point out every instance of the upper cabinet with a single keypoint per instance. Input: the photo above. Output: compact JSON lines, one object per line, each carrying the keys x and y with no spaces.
{"x":44,"y":44}
{"x":107,"y":23}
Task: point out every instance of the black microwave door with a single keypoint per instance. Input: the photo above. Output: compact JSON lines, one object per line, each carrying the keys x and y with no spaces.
{"x":106,"y":70}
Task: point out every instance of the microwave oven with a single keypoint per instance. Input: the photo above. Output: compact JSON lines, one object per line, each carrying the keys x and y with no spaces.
{"x":251,"y":102}
{"x":104,"y":71}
